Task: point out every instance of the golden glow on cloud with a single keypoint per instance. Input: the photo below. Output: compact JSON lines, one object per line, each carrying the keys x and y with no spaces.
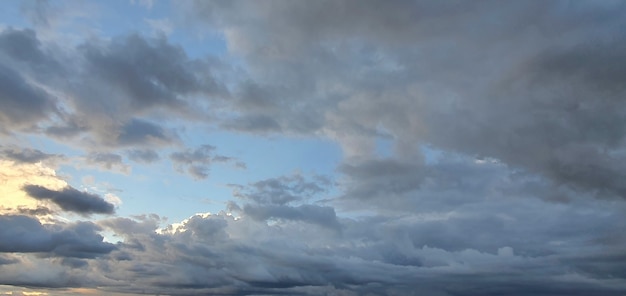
{"x":13,"y":176}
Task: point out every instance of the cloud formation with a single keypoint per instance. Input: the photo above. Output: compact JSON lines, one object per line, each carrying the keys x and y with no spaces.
{"x":482,"y":149}
{"x":71,"y":199}
{"x":24,"y":234}
{"x":420,"y":71}
{"x":196,"y":162}
{"x":27,"y":155}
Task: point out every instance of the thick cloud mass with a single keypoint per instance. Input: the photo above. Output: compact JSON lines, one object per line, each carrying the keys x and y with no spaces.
{"x":483,"y":149}
{"x":71,"y":199}
{"x":23,"y":104}
{"x":25,"y":234}
{"x":533,"y":84}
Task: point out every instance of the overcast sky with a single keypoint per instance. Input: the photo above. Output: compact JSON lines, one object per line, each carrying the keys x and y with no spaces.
{"x":446,"y":148}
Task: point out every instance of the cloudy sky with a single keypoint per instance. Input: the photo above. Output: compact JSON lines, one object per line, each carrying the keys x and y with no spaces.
{"x":446,"y":148}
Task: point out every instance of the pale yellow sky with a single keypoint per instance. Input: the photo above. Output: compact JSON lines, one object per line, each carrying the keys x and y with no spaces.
{"x":13,"y":176}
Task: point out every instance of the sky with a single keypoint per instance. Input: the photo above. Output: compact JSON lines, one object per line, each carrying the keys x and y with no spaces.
{"x":445,"y":148}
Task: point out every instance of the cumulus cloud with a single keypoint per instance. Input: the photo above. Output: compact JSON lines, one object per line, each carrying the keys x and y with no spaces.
{"x":71,"y":199}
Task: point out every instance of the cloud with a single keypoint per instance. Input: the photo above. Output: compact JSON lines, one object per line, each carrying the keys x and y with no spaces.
{"x":71,"y":199}
{"x":24,"y":104}
{"x":395,"y":69}
{"x":26,"y":235}
{"x":282,"y":190}
{"x":348,"y":83}
{"x":143,"y":132}
{"x":196,"y":162}
{"x":474,"y":250}
{"x":109,"y":161}
{"x":160,"y":26}
{"x":27,"y":155}
{"x":253,"y":123}
{"x":143,"y":156}
{"x":39,"y":211}
{"x":111,"y":92}
{"x":22,"y":45}
{"x":504,"y":176}
{"x":324,"y":216}
{"x":285,"y":198}
{"x":148,"y":72}
{"x":15,"y":175}
{"x":434,"y":244}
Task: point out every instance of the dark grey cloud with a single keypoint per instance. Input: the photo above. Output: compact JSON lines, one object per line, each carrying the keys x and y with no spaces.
{"x":38,"y":211}
{"x":23,"y":104}
{"x":22,"y":45}
{"x":348,"y":82}
{"x":482,"y":247}
{"x":486,"y":245}
{"x":71,"y":199}
{"x":533,"y":84}
{"x":197,"y":162}
{"x":111,"y":90}
{"x":136,"y":76}
{"x":27,"y":155}
{"x":26,"y":101}
{"x":139,"y":131}
{"x":25,"y":234}
{"x":149,"y":72}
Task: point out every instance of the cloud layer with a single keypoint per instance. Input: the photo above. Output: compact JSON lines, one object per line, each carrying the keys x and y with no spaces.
{"x":483,"y":149}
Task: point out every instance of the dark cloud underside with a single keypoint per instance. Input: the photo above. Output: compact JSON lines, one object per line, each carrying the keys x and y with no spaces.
{"x":25,"y":234}
{"x":71,"y":199}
